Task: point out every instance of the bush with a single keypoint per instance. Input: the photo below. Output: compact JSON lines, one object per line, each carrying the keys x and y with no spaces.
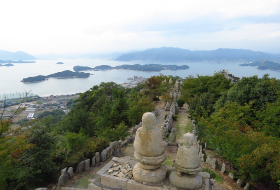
{"x":155,"y":99}
{"x":174,"y":117}
{"x":180,"y":102}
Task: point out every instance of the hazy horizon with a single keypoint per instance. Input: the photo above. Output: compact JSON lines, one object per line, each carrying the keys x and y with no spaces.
{"x":90,"y":27}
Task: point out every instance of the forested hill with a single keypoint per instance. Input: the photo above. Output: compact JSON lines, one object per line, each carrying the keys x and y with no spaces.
{"x":19,"y":55}
{"x":176,"y":54}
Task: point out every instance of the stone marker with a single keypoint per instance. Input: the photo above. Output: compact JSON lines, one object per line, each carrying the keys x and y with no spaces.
{"x":170,"y":81}
{"x":70,"y":172}
{"x":187,"y":164}
{"x":163,"y":132}
{"x":212,"y":161}
{"x":149,"y":152}
{"x":103,"y":156}
{"x":240,"y":182}
{"x":80,"y":167}
{"x":231,"y":176}
{"x":97,"y":157}
{"x":172,"y":138}
{"x":93,"y":161}
{"x":87,"y":165}
{"x":223,"y":168}
{"x":247,"y":186}
{"x":64,"y":177}
{"x":167,"y":107}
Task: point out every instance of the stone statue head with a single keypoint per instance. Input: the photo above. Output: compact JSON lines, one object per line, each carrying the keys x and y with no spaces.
{"x":148,"y":120}
{"x":188,"y":139}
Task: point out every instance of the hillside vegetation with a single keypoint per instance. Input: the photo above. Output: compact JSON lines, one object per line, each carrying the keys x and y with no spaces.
{"x":240,"y":121}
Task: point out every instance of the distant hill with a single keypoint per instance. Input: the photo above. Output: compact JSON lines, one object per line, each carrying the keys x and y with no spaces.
{"x":169,"y":54}
{"x":19,"y":55}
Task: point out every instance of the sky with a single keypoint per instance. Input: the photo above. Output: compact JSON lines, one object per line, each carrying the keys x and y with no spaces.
{"x":96,"y":26}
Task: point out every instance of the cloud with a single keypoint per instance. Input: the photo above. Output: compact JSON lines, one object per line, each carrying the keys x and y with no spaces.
{"x":95,"y":26}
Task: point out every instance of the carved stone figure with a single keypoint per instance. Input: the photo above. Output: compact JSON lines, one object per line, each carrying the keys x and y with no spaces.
{"x":187,"y":164}
{"x":149,"y":152}
{"x":172,"y":138}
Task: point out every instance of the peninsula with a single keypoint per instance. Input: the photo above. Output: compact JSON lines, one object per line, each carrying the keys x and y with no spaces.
{"x":59,"y":75}
{"x":263,"y":65}
{"x":7,"y":65}
{"x":137,"y":67}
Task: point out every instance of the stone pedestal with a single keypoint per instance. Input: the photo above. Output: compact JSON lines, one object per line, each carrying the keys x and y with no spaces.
{"x":185,"y":181}
{"x":150,"y":176}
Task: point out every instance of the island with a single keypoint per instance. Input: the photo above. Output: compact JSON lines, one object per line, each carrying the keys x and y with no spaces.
{"x":59,"y":63}
{"x":59,"y":75}
{"x":137,"y":67}
{"x":18,"y":61}
{"x":7,"y":65}
{"x":263,"y":65}
{"x":82,"y":68}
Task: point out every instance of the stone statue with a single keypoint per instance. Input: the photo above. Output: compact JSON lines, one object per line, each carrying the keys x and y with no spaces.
{"x":170,"y":81}
{"x":172,"y":138}
{"x":176,"y":86}
{"x":167,"y":107}
{"x":163,"y":132}
{"x":187,"y":164}
{"x":149,"y":152}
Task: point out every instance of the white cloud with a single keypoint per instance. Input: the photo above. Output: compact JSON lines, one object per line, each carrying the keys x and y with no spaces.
{"x":93,"y":26}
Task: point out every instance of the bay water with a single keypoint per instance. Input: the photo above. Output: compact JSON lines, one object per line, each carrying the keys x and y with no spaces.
{"x":10,"y":77}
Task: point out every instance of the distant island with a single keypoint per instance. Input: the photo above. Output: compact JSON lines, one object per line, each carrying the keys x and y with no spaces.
{"x":19,"y":61}
{"x":171,"y":54}
{"x":137,"y":67}
{"x":7,"y":65}
{"x":60,"y":63}
{"x":59,"y":75}
{"x":263,"y":65}
{"x":82,"y":68}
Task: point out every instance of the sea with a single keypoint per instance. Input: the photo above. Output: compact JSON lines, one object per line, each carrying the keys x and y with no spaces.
{"x":10,"y":77}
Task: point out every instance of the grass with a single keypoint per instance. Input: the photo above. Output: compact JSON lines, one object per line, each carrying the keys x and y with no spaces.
{"x":213,"y":175}
{"x":187,"y":128}
{"x":83,"y":183}
{"x":168,"y":161}
{"x":179,"y":133}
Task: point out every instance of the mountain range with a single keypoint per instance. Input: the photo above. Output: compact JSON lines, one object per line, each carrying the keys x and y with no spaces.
{"x":19,"y":55}
{"x":171,"y":54}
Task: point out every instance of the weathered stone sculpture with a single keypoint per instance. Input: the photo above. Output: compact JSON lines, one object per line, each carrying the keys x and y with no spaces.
{"x":163,"y":132}
{"x":149,"y":152}
{"x":176,"y":86}
{"x":167,"y":107}
{"x":187,"y":164}
{"x":170,"y":81}
{"x":172,"y":138}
